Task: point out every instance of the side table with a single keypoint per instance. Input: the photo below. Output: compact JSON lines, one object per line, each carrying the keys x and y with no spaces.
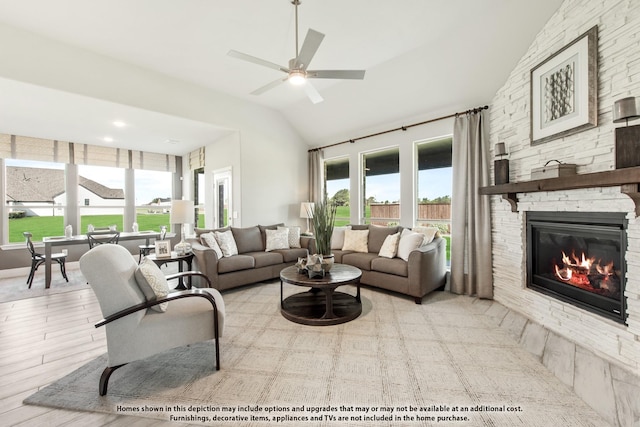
{"x":188,"y":258}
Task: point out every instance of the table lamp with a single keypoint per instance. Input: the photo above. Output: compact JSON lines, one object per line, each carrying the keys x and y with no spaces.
{"x":627,"y":137}
{"x":182,"y":212}
{"x":306,"y":211}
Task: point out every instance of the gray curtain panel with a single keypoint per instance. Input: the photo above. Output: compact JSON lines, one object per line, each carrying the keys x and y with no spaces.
{"x":316,"y":175}
{"x":471,"y":271}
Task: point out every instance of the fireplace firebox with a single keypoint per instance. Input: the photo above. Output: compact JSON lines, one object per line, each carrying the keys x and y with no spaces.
{"x":579,"y":258}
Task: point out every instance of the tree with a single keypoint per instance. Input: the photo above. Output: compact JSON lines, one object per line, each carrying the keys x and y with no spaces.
{"x":341,"y":198}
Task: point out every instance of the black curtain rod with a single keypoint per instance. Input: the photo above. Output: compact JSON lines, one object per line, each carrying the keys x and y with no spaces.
{"x":403,"y":128}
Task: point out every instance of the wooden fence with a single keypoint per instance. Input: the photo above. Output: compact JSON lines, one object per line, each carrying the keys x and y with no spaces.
{"x":383,"y":213}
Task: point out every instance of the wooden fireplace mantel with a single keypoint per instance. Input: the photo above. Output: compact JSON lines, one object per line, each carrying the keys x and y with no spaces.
{"x":628,"y":179}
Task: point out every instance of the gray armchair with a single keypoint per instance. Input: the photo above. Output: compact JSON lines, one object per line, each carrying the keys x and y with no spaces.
{"x":134,"y":331}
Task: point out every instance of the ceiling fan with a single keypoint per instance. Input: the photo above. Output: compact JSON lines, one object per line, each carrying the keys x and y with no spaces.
{"x":297,"y":72}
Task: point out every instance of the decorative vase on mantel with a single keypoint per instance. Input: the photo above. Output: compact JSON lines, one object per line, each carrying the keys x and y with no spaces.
{"x":324,"y":215}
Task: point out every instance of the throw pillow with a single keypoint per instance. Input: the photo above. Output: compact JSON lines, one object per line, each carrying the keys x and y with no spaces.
{"x":356,"y":240}
{"x":409,"y":242}
{"x":389,"y":248}
{"x":294,"y":235}
{"x":209,"y":240}
{"x":337,"y":238}
{"x":152,"y":283}
{"x":227,"y":243}
{"x":277,"y":239}
{"x":429,"y":233}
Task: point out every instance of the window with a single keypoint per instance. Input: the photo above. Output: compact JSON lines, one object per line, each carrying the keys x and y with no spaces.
{"x":336,"y":186}
{"x":435,"y":186}
{"x":153,"y":199}
{"x":381,"y":187}
{"x":86,"y":202}
{"x":35,"y":199}
{"x":104,"y":188}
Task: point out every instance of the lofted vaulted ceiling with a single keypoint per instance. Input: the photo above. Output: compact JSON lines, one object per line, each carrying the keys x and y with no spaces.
{"x":423,"y":58}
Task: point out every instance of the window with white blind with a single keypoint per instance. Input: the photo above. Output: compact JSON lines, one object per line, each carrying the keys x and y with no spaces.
{"x":153,"y":199}
{"x":105,"y":188}
{"x":50,"y":165}
{"x":35,"y":199}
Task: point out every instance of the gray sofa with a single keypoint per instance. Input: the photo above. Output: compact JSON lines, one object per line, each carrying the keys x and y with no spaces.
{"x":251,"y":265}
{"x":424,"y":272}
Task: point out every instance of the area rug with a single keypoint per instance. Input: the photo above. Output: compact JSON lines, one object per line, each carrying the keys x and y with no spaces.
{"x":440,"y":363}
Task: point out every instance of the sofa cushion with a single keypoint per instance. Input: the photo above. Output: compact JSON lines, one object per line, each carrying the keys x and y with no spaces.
{"x":395,"y":266}
{"x":248,"y":239}
{"x":200,"y":231}
{"x":226,"y":242}
{"x":292,"y":255}
{"x":377,"y":234}
{"x":267,"y":227}
{"x":337,"y":237}
{"x":360,"y":260}
{"x":277,"y":239}
{"x":208,"y":239}
{"x":409,"y":242}
{"x":356,"y":240}
{"x":263,"y":259}
{"x":389,"y":248}
{"x":235,"y":263}
{"x":294,"y":235}
{"x":429,"y":233}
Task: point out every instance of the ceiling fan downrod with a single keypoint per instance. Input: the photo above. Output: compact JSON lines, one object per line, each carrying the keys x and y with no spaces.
{"x":296,"y":3}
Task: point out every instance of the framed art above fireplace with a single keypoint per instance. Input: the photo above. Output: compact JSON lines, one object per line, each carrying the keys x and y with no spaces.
{"x":564,"y":90}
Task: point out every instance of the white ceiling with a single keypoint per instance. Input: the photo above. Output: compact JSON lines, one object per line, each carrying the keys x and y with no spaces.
{"x":423,"y":58}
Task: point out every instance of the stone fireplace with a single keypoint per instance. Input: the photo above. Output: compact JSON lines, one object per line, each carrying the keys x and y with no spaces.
{"x":579,"y":258}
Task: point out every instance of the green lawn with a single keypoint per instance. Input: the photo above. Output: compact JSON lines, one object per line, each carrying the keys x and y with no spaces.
{"x":41,"y":226}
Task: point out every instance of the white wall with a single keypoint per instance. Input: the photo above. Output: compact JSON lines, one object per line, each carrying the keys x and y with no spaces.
{"x":593,"y":150}
{"x":270,"y":166}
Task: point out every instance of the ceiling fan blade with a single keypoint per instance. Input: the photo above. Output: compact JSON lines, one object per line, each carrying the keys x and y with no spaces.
{"x":312,"y":93}
{"x":268,"y":86}
{"x":254,"y":60}
{"x":336,"y":74}
{"x":309,"y":47}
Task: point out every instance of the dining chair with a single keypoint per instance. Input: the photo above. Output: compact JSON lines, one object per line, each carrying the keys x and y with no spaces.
{"x":38,"y":259}
{"x":100,"y":237}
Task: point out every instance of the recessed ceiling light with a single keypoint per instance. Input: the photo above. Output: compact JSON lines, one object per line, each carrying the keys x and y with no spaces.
{"x":107,"y":139}
{"x":172,"y":141}
{"x":119,"y":123}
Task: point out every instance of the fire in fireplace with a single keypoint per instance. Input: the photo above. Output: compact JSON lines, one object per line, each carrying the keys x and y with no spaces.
{"x":579,"y":258}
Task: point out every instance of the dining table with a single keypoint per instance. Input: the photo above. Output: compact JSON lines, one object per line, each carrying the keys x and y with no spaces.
{"x":81,"y":239}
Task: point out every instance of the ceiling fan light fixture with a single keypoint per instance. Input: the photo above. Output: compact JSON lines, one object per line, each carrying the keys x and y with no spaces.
{"x":297,"y":77}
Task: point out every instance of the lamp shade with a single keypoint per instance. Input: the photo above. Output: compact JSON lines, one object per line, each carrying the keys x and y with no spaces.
{"x":306,"y":210}
{"x":500,"y":149}
{"x":182,"y":212}
{"x":625,"y":109}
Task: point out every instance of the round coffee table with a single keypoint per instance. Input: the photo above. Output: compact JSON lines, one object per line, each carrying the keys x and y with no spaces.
{"x":321,"y":305}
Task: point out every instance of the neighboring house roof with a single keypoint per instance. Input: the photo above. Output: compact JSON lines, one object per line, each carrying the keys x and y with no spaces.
{"x":43,"y":185}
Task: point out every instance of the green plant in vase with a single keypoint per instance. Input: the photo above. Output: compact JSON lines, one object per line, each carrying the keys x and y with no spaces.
{"x":324,"y":215}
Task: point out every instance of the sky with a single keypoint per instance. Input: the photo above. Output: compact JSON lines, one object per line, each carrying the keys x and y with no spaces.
{"x":149,"y":184}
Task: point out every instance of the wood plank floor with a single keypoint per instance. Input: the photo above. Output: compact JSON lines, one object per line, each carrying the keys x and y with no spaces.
{"x":41,"y":340}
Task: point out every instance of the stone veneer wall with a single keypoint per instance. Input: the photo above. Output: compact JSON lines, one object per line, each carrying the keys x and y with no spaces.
{"x":593,"y":151}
